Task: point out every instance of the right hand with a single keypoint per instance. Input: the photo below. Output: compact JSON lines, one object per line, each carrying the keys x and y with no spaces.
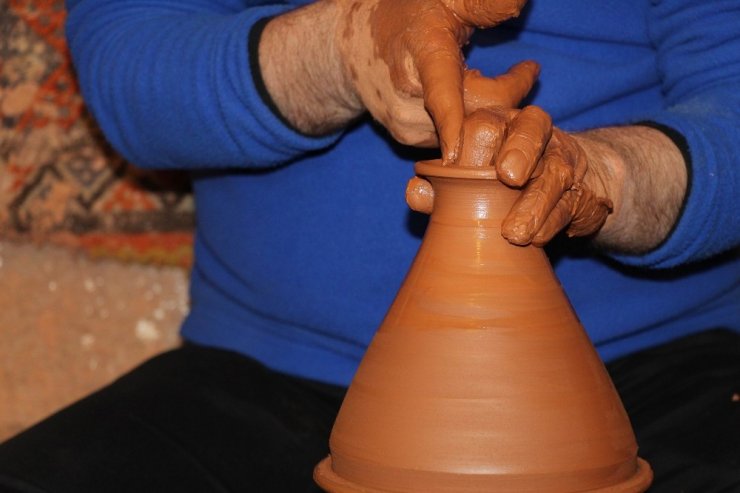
{"x":561,"y":186}
{"x":403,"y":59}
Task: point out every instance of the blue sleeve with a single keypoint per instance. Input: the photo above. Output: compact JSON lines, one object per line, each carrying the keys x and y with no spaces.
{"x":698,"y":53}
{"x":169,"y":82}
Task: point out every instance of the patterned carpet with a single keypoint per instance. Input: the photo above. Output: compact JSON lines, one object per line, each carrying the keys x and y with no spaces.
{"x":59,"y":181}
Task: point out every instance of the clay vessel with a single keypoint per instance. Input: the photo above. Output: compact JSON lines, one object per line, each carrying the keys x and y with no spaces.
{"x":481,"y":378}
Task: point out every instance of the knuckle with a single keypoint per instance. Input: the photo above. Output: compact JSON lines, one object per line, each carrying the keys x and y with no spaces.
{"x":401,"y":134}
{"x":561,"y":171}
{"x":485,"y":121}
{"x":536,"y":112}
{"x":398,"y":116}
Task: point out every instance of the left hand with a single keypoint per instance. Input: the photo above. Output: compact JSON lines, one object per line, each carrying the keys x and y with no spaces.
{"x":560,"y":186}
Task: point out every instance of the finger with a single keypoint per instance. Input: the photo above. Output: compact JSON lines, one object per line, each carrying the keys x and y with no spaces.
{"x":589,"y":212}
{"x":483,"y":132}
{"x":413,"y":137}
{"x":527,"y":138}
{"x":408,"y":122}
{"x":538,"y":199}
{"x":580,"y":210}
{"x":506,"y":90}
{"x":572,"y":152}
{"x":440,"y":65}
{"x":559,"y":217}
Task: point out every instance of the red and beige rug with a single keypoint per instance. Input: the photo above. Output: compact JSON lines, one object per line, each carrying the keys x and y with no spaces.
{"x":59,"y":181}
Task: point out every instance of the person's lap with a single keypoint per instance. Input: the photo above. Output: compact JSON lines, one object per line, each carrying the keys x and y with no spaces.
{"x":683,"y":400}
{"x":194,"y":419}
{"x":206,"y":420}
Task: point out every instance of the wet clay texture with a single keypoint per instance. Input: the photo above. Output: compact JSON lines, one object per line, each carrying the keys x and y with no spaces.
{"x":404,"y":60}
{"x":558,"y":196}
{"x":481,"y":377}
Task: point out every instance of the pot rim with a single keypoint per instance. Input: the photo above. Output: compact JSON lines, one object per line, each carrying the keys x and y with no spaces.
{"x":435,"y":168}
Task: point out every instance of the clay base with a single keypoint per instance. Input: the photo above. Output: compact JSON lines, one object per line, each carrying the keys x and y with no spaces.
{"x":326,"y":478}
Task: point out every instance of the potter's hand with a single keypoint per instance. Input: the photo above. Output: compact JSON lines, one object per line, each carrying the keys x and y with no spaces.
{"x":560,"y":189}
{"x":404,"y":61}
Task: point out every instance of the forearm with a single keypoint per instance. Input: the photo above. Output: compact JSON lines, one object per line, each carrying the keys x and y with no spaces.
{"x":172,"y":85}
{"x":302,"y":70}
{"x":644,"y":174}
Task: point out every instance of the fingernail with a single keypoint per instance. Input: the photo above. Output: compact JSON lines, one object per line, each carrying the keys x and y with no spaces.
{"x":510,"y":167}
{"x":519,"y":230}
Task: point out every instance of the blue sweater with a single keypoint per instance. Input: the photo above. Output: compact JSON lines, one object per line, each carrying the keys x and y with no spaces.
{"x":302,"y":242}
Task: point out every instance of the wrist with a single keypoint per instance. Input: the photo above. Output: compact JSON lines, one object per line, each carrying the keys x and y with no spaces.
{"x":302,"y":69}
{"x":645,"y":176}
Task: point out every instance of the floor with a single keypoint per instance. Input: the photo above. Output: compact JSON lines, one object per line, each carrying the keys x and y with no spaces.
{"x":69,"y":325}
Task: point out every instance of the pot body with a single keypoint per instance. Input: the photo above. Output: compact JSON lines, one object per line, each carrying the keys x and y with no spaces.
{"x":480,"y":378}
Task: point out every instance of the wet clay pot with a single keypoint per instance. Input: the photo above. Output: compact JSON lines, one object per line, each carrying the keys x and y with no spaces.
{"x":481,"y":378}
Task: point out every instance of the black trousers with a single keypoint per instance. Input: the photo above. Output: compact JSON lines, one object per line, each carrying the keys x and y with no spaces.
{"x":204,"y":420}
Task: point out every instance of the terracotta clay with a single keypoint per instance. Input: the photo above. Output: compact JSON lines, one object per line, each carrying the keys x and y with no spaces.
{"x":481,"y":377}
{"x":483,"y":134}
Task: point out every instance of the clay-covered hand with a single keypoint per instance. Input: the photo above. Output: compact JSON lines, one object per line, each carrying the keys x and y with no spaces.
{"x":404,"y":61}
{"x":560,"y":189}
